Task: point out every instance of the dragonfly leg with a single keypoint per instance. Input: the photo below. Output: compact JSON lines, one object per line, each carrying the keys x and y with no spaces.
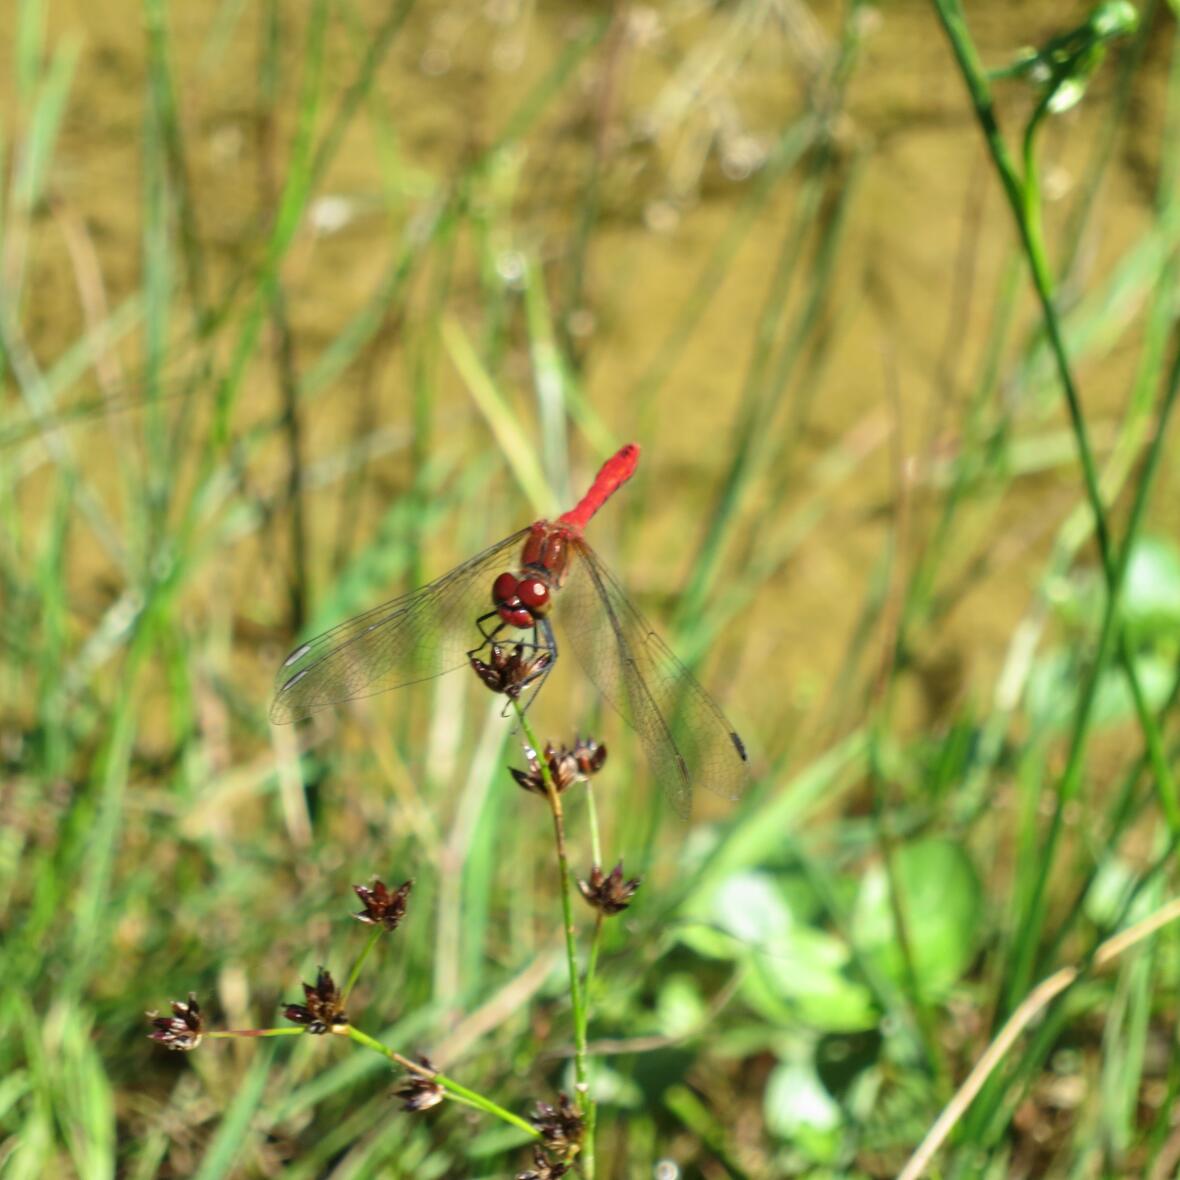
{"x":543,"y":640}
{"x":489,"y":637}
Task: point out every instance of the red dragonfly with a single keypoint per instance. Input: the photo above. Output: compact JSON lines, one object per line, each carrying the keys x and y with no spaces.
{"x":422,"y":634}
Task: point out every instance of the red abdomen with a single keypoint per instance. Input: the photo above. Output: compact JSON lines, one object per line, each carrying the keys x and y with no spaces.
{"x":611,"y":476}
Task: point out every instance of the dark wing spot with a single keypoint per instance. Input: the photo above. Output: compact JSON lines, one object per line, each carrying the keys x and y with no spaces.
{"x":739,"y":745}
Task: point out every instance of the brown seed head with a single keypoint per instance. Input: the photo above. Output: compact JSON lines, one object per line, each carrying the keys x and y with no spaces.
{"x":420,"y":1093}
{"x":589,"y":755}
{"x":323,"y":1011}
{"x":383,"y":907}
{"x":608,"y":892}
{"x":510,"y":672}
{"x":182,"y":1030}
{"x":566,"y":766}
{"x":560,"y":1126}
{"x":544,"y":1168}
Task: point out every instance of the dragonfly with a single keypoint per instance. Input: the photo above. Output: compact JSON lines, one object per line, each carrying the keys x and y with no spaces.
{"x":496,"y":615}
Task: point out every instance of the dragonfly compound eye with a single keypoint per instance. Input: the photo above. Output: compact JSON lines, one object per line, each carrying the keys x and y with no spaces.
{"x":534,"y":594}
{"x":504,"y":589}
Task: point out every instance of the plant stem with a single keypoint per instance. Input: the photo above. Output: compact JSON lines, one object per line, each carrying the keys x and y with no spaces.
{"x":587,"y":991}
{"x":592,"y":964}
{"x":354,"y":974}
{"x":592,"y":815}
{"x":1025,"y":199}
{"x":577,"y":997}
{"x":1033,"y":1004}
{"x":254,"y":1032}
{"x":452,"y":1087}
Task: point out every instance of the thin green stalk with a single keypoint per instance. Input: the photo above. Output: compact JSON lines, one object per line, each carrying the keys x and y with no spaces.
{"x":354,"y":974}
{"x":591,"y":969}
{"x":254,"y":1032}
{"x":592,"y":816}
{"x":995,"y":1106}
{"x":452,"y":1087}
{"x":1045,"y":1039}
{"x":1025,"y":200}
{"x":171,"y":132}
{"x":918,"y":1008}
{"x":778,"y":337}
{"x":577,"y":997}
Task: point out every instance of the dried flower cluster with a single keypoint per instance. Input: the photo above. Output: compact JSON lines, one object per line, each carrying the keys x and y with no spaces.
{"x":383,"y":907}
{"x":566,"y":766}
{"x":182,"y":1030}
{"x":545,"y":1167}
{"x":419,"y":1093}
{"x":608,"y":892}
{"x":323,"y":1009}
{"x":510,"y":672}
{"x":560,"y":1126}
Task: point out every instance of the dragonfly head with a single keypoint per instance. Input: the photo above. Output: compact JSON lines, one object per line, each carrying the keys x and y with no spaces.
{"x":520,"y":602}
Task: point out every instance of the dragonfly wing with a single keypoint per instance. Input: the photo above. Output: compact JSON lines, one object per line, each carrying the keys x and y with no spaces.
{"x":414,"y":637}
{"x":687,"y":739}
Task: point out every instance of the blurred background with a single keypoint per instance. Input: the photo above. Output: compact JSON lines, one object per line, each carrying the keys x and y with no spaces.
{"x":303,"y":304}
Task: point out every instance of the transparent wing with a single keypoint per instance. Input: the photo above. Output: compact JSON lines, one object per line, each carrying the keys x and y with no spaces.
{"x":687,"y":739}
{"x":415,"y":637}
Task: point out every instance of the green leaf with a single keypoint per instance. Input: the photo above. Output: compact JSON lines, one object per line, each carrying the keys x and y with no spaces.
{"x":1064,"y":65}
{"x":810,"y":978}
{"x":942,"y":905}
{"x":1151,"y":593}
{"x":680,"y":1008}
{"x":798,"y":1109}
{"x":795,"y":972}
{"x":1112,"y":887}
{"x":751,"y":908}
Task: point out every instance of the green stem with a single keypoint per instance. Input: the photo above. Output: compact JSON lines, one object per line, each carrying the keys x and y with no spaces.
{"x":592,"y":815}
{"x":354,"y":974}
{"x":255,"y":1032}
{"x":592,"y":962}
{"x":452,"y":1087}
{"x":925,"y":1024}
{"x":591,"y":968}
{"x":577,"y":997}
{"x":1024,"y":198}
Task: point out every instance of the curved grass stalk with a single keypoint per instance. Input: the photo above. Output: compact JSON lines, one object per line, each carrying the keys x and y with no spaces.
{"x":1024,"y":197}
{"x":577,"y":993}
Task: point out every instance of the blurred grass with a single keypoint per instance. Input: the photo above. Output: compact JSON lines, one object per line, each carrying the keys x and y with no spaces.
{"x":362,"y":303}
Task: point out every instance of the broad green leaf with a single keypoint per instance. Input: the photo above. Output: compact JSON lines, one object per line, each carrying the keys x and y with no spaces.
{"x":1151,"y":593}
{"x":810,"y":978}
{"x":1112,"y":887}
{"x":679,"y":1008}
{"x":751,"y":908}
{"x":798,"y":1109}
{"x":942,"y":904}
{"x":796,"y":973}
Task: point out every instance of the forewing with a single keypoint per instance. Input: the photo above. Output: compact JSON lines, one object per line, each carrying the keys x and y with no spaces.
{"x":688,"y":740}
{"x":415,"y":637}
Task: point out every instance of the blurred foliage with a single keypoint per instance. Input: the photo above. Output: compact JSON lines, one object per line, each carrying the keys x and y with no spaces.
{"x":302,"y":305}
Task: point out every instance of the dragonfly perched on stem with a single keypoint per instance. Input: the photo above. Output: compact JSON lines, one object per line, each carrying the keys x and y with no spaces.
{"x":507,"y":612}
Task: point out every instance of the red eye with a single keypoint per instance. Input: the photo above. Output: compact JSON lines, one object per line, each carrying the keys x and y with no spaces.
{"x":504,"y":589}
{"x":534,"y":594}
